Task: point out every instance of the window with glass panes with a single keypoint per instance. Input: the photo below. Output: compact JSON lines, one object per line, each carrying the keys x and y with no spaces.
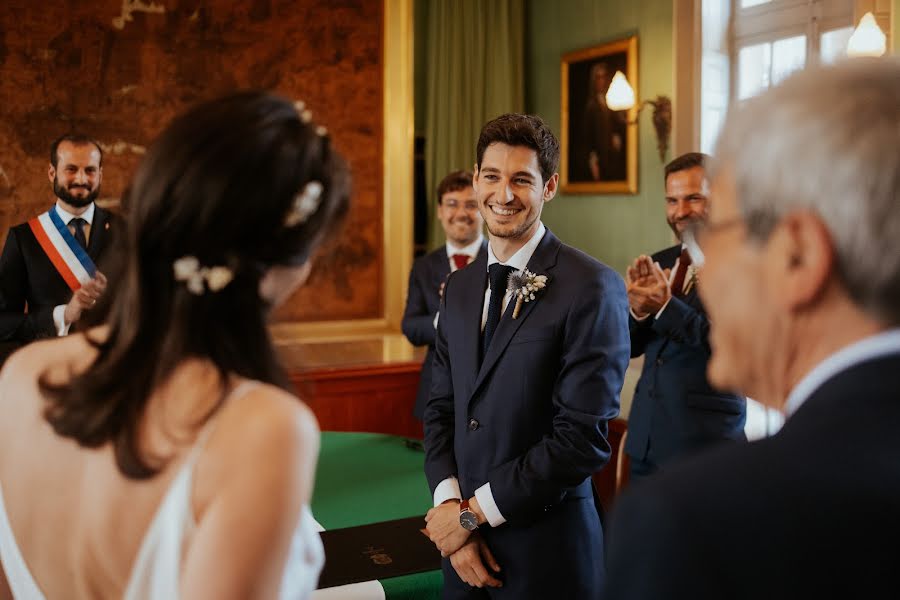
{"x":751,"y":45}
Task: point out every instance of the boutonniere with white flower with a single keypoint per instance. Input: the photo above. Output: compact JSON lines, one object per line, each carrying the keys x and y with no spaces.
{"x":524,"y":285}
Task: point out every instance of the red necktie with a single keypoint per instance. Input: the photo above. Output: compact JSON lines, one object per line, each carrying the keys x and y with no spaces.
{"x":460,"y":260}
{"x":683,"y":263}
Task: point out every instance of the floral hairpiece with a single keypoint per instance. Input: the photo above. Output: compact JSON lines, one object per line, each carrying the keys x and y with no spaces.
{"x":306,"y":202}
{"x":188,"y":269}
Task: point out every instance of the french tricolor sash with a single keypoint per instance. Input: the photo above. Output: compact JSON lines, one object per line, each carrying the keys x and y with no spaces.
{"x":70,"y":259}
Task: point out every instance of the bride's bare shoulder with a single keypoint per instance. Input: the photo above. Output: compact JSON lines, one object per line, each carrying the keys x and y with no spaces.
{"x":57,"y":359}
{"x":270,"y":421}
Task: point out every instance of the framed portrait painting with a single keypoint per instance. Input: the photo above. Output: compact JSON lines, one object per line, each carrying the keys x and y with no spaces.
{"x":599,"y":145}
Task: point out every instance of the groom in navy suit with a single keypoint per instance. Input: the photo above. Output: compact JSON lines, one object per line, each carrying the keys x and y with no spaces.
{"x":530,"y":355}
{"x":458,"y":214}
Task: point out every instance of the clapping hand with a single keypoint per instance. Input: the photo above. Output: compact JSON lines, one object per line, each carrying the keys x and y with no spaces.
{"x":85,"y":298}
{"x":647,"y":285}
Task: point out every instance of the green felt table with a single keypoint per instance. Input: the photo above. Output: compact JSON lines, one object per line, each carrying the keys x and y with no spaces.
{"x":366,"y":478}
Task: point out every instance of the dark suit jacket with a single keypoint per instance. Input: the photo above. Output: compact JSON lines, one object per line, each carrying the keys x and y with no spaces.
{"x":674,"y":409}
{"x":812,"y":512}
{"x":531,"y":418}
{"x":422,"y":302}
{"x":28,"y":277}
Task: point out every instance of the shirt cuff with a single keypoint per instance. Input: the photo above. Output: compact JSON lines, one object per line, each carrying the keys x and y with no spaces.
{"x":448,"y":489}
{"x":637,"y":318}
{"x":59,"y":320}
{"x":437,"y":315}
{"x":488,"y":506}
{"x":658,"y":314}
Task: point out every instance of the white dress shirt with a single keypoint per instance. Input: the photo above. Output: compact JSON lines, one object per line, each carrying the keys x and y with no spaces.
{"x":449,"y":488}
{"x":471,"y":251}
{"x":59,"y":312}
{"x":875,"y":346}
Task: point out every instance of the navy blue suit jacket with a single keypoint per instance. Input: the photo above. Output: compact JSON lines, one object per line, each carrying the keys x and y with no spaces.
{"x":28,"y":277}
{"x":811,"y":512}
{"x":422,"y":302}
{"x":675,"y":410}
{"x":531,"y":416}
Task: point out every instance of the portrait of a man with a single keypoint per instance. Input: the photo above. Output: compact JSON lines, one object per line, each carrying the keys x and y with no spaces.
{"x":597,"y":143}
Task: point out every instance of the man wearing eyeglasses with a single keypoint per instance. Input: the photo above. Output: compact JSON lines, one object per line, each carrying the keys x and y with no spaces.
{"x":675,"y":411}
{"x":801,"y":275}
{"x":457,"y":211}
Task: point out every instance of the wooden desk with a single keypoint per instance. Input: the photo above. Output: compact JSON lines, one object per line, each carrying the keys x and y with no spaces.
{"x":358,"y":385}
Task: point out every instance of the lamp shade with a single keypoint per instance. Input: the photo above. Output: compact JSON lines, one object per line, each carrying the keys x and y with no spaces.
{"x":867,"y":38}
{"x":620,"y":95}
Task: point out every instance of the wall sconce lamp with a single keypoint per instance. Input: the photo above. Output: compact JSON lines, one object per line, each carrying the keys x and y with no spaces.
{"x":867,"y":38}
{"x":620,"y":96}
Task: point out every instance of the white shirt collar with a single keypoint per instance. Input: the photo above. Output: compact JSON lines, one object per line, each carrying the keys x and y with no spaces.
{"x":470,"y":250}
{"x":520,"y":259}
{"x":875,"y":346}
{"x":66,"y":216}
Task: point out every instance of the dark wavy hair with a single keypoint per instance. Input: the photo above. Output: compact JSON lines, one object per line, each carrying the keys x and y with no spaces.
{"x":218,"y":185}
{"x":453,"y":182}
{"x":515,"y":129}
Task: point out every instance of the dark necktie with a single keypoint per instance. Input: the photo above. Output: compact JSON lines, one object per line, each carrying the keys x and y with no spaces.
{"x":684,"y":262}
{"x":460,"y":260}
{"x":78,"y":223}
{"x":499,"y":276}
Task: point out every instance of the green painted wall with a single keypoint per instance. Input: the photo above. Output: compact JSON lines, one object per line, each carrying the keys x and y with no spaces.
{"x":612,"y":228}
{"x":895,"y":27}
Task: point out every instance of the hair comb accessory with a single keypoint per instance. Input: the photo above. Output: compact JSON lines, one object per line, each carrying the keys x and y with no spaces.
{"x":305,"y":204}
{"x":188,"y":270}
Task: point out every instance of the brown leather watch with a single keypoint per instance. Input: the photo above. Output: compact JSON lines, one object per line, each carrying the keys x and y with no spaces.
{"x":467,"y":518}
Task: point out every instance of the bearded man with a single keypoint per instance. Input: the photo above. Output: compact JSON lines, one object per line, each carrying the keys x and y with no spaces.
{"x":48,"y":273}
{"x":675,"y":411}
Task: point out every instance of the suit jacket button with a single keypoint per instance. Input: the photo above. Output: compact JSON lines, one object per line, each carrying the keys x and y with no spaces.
{"x":473,"y":424}
{"x":659,"y":362}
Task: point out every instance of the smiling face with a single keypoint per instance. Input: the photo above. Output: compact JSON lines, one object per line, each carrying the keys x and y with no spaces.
{"x":687,"y":198}
{"x":458,"y":213}
{"x":77,"y":175}
{"x":510,"y":191}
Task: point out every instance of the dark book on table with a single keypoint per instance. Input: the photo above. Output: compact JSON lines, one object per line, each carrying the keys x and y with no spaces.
{"x":377,"y":551}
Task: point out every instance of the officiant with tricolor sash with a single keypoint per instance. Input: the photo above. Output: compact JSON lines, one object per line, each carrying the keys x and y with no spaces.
{"x":48,"y":270}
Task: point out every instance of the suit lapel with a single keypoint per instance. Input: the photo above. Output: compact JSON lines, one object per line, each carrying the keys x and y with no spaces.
{"x":542,"y":262}
{"x":99,"y":233}
{"x":473,"y":282}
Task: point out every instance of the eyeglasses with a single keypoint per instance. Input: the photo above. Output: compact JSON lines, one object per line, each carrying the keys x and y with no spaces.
{"x":695,"y":233}
{"x":469,"y":206}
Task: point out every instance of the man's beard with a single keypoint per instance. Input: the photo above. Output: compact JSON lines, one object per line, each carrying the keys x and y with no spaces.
{"x":673,"y":225}
{"x":76,"y":201}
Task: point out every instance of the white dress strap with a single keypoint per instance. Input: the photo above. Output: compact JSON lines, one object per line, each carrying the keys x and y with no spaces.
{"x":156,"y":573}
{"x":22,"y":584}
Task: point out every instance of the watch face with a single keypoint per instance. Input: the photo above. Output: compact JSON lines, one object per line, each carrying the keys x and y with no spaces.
{"x":468,"y":520}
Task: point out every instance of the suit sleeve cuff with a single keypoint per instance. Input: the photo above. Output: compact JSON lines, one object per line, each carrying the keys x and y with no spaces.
{"x":660,"y":312}
{"x":486,"y":501}
{"x":59,"y":320}
{"x":448,"y":489}
{"x":637,"y":318}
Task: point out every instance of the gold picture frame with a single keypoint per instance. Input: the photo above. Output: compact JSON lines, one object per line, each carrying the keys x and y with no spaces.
{"x":599,"y":146}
